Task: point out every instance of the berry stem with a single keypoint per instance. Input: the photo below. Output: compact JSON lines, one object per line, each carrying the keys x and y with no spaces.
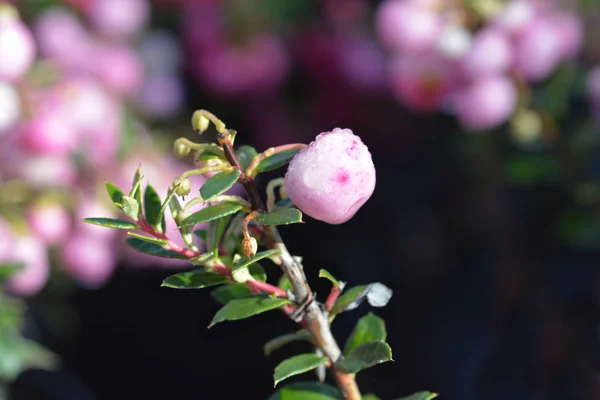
{"x":314,"y":319}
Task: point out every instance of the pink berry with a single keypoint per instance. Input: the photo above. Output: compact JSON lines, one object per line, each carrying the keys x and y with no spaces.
{"x":407,"y":25}
{"x":17,"y":48}
{"x":538,"y":50}
{"x":49,"y":222}
{"x":119,"y":68}
{"x":32,"y":253}
{"x":332,"y":178}
{"x":48,"y":132}
{"x":491,"y":53}
{"x":486,"y":103}
{"x":91,"y":259}
{"x":421,"y":81}
{"x":570,"y":30}
{"x":515,"y":16}
{"x":11,"y":107}
{"x":119,"y":19}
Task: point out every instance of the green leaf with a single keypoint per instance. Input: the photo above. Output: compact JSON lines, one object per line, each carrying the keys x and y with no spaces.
{"x":111,"y":223}
{"x":149,"y":239}
{"x":211,"y":213}
{"x":284,"y":203}
{"x":370,"y":396}
{"x":202,"y":259}
{"x":284,"y":216}
{"x":210,"y":154}
{"x":215,"y":232}
{"x":131,"y":207}
{"x":347,"y":298}
{"x":284,"y":283}
{"x":244,"y":262}
{"x":136,"y":191}
{"x":152,"y":206}
{"x":245,"y":155}
{"x":201,"y":233}
{"x":219,"y":183}
{"x":369,"y":328}
{"x":364,"y":356}
{"x":275,"y":161}
{"x":247,"y":307}
{"x":225,"y":294}
{"x":420,"y":396}
{"x":280,"y":341}
{"x":9,"y":269}
{"x":152,"y":249}
{"x":116,"y":195}
{"x":307,"y":391}
{"x":196,"y":279}
{"x":323,"y":273}
{"x":297,"y":365}
{"x":257,"y":272}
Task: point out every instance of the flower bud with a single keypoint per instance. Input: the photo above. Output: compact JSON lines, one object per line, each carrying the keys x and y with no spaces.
{"x":181,"y":148}
{"x":199,"y":122}
{"x":332,"y":178}
{"x":182,"y":186}
{"x":249,"y":246}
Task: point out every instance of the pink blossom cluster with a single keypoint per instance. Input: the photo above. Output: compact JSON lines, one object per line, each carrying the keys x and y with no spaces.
{"x":471,"y":62}
{"x":66,"y":87}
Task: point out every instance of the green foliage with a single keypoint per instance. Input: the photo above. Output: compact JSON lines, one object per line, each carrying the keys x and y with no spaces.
{"x":8,"y":269}
{"x":152,"y":249}
{"x":116,"y":195}
{"x":131,"y":207}
{"x":323,"y":273}
{"x":136,"y":191}
{"x":149,"y":239}
{"x":225,"y":294}
{"x":277,"y":160}
{"x":219,"y":183}
{"x":215,"y":232}
{"x":368,"y":328}
{"x":211,"y":213}
{"x":284,"y":216}
{"x":152,"y":207}
{"x":244,"y":262}
{"x":307,"y":391}
{"x":111,"y":223}
{"x":364,"y":356}
{"x":370,"y":397}
{"x":245,"y":155}
{"x":347,"y":298}
{"x":377,"y":294}
{"x":246,"y":307}
{"x":420,"y":396}
{"x":280,"y":341}
{"x":196,"y":279}
{"x":297,"y":365}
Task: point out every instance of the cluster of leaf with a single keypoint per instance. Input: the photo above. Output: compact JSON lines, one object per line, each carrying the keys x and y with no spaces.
{"x":17,"y":353}
{"x":222,"y":263}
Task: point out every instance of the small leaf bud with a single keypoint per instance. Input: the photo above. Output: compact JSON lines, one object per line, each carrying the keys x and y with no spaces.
{"x":182,"y":186}
{"x":199,"y":122}
{"x":181,"y":148}
{"x":249,"y":246}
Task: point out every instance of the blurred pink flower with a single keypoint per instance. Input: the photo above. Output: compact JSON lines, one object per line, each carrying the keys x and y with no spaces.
{"x":17,"y":47}
{"x":89,"y":258}
{"x":118,"y":19}
{"x":31,"y":252}
{"x":50,"y":223}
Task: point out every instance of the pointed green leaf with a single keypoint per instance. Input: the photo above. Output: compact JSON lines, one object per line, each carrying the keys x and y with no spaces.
{"x":284,"y":216}
{"x":244,"y":262}
{"x":257,"y":272}
{"x":111,"y":223}
{"x":219,"y":183}
{"x":211,"y":213}
{"x":175,"y":208}
{"x":247,"y":307}
{"x":202,"y":259}
{"x":364,"y":356}
{"x":116,"y":195}
{"x":245,"y":155}
{"x":275,"y":161}
{"x":136,"y":188}
{"x":149,"y":239}
{"x":420,"y":396}
{"x":284,"y":283}
{"x":370,"y":396}
{"x":323,"y":273}
{"x":280,"y":341}
{"x":369,"y":328}
{"x":196,"y":279}
{"x":131,"y":207}
{"x":225,"y":294}
{"x":152,"y":205}
{"x":297,"y":365}
{"x":7,"y":270}
{"x":152,"y":249}
{"x":307,"y":391}
{"x":347,"y":298}
{"x":201,"y":233}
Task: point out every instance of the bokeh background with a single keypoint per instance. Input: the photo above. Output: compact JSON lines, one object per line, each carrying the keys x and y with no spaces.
{"x":482,"y":117}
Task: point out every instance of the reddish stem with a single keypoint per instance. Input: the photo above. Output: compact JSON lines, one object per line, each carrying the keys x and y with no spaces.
{"x":267,"y":287}
{"x":333,"y":296}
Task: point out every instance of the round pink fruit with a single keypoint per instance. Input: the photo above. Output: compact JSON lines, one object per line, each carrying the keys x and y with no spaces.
{"x":331,"y":178}
{"x":17,"y":48}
